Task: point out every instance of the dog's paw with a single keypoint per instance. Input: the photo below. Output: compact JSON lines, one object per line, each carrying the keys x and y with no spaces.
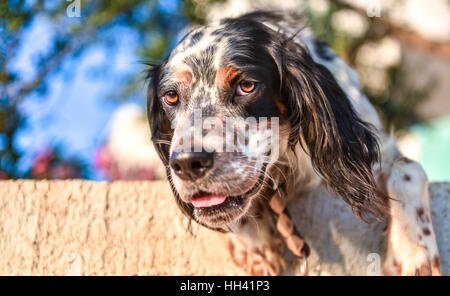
{"x":266,"y":262}
{"x":418,"y":263}
{"x":421,"y":265}
{"x":411,"y":244}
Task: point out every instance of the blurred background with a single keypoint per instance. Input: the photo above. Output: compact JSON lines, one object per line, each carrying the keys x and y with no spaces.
{"x":72,"y":93}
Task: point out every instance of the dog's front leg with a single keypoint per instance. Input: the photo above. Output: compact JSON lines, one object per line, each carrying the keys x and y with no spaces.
{"x":411,"y":242}
{"x":255,"y":244}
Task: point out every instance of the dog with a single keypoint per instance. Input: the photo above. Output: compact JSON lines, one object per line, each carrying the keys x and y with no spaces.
{"x":268,"y":66}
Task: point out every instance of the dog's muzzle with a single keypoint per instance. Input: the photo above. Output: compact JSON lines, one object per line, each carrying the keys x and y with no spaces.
{"x":190,"y":166}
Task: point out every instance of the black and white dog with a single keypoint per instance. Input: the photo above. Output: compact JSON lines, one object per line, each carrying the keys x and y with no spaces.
{"x":268,"y":65}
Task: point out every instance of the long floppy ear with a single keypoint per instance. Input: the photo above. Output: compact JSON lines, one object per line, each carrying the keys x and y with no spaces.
{"x":342,"y":147}
{"x":159,"y":123}
{"x":160,"y":128}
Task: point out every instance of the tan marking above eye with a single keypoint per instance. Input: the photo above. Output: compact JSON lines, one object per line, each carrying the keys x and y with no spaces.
{"x":184,"y":76}
{"x":171,"y":98}
{"x":225,"y":76}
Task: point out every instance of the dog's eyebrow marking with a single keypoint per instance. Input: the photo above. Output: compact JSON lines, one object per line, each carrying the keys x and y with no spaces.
{"x":183,"y":76}
{"x":225,"y":76}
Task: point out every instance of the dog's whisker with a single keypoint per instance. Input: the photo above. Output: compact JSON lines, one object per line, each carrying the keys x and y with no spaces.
{"x":162,"y":141}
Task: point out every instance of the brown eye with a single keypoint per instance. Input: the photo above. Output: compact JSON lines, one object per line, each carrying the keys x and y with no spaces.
{"x":245,"y":87}
{"x":171,"y":98}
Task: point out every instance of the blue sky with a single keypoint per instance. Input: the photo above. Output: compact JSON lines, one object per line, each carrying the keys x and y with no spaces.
{"x":75,"y":111}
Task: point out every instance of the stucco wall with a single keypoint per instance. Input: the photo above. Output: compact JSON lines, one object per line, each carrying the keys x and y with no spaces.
{"x":134,"y":228}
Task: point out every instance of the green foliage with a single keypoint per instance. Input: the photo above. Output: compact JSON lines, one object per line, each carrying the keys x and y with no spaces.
{"x":397,"y":103}
{"x":155,"y":27}
{"x":195,"y":11}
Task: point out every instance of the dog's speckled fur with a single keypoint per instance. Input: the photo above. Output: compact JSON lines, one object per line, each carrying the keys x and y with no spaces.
{"x":330,"y":135}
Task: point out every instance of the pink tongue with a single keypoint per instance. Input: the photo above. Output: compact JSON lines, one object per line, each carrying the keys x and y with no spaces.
{"x":208,"y":201}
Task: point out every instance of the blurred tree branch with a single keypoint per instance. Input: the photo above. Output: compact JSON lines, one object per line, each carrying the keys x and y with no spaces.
{"x":400,"y":96}
{"x":71,"y":36}
{"x":410,"y":37}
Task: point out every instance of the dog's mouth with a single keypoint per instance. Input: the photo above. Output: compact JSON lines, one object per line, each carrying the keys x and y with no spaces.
{"x":205,"y":200}
{"x":219,"y":209}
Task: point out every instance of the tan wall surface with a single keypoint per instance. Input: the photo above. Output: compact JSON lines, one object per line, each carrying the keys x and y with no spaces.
{"x":83,"y":227}
{"x":134,"y":228}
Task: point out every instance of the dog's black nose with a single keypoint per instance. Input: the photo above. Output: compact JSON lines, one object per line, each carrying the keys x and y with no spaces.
{"x":191,"y":165}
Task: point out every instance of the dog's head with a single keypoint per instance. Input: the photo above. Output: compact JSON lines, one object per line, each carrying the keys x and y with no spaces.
{"x":228,"y":95}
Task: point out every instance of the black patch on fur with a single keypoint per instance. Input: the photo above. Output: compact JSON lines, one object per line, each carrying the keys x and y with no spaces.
{"x":159,"y":124}
{"x":195,"y":38}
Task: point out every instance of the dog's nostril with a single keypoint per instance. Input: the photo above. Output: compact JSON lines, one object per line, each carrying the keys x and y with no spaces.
{"x":201,"y":164}
{"x":191,"y":165}
{"x":196,"y":165}
{"x":176,"y":167}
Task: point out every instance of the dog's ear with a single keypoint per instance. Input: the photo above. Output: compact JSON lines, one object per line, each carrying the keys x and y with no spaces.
{"x":159,"y":123}
{"x":342,"y":147}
